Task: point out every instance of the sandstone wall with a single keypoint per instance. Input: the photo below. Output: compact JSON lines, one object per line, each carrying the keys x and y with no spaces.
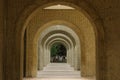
{"x":1,"y":37}
{"x":109,"y":13}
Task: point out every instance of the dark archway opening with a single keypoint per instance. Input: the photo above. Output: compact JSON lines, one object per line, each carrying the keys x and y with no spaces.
{"x":58,"y":53}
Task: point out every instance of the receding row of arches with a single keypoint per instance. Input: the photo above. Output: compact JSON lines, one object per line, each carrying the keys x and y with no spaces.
{"x":59,"y":34}
{"x":71,"y":28}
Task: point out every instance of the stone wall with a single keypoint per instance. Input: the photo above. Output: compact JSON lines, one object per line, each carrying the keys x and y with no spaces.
{"x":1,"y":37}
{"x":109,"y":13}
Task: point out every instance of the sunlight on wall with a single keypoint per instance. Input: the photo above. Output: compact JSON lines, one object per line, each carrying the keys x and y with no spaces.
{"x":59,"y":6}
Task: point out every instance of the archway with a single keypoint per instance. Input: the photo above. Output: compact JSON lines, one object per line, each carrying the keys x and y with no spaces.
{"x":58,"y":53}
{"x":58,"y":33}
{"x":100,"y":46}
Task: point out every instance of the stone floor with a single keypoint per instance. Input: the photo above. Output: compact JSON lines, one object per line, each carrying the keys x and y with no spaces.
{"x":58,"y":71}
{"x":57,"y":79}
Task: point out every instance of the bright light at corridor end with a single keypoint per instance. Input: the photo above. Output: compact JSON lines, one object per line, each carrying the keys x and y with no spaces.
{"x":59,"y":6}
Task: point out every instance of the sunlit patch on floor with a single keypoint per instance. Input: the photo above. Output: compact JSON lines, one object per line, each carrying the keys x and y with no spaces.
{"x":59,"y":79}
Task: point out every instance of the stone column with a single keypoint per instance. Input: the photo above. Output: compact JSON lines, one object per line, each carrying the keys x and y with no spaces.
{"x":68,"y":56}
{"x":45,"y":56}
{"x":48,"y":52}
{"x":41,"y":58}
{"x":31,"y":59}
{"x":72,"y":56}
{"x":38,"y":57}
{"x":75,"y":58}
{"x":44,"y":62}
{"x":79,"y":57}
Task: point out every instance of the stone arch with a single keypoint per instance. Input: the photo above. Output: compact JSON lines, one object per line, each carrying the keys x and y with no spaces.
{"x":69,"y":45}
{"x":63,"y":43}
{"x":59,"y":32}
{"x":58,"y":40}
{"x":63,"y":30}
{"x":66,"y":24}
{"x":69,"y":54}
{"x":86,"y":9}
{"x":41,"y":63}
{"x":66,"y":45}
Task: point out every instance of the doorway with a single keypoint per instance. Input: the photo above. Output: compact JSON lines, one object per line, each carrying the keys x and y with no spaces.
{"x":58,"y":53}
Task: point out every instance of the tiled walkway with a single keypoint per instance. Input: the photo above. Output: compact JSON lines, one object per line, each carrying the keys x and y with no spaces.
{"x":58,"y":71}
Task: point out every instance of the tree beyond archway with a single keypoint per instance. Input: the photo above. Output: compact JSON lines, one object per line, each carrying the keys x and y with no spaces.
{"x":58,"y":53}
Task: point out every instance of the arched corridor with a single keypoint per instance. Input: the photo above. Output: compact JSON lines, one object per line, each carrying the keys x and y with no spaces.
{"x":59,"y":40}
{"x":78,"y":38}
{"x":58,"y":33}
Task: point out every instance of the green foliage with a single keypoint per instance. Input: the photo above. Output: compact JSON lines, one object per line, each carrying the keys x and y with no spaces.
{"x":53,"y":50}
{"x":58,"y":49}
